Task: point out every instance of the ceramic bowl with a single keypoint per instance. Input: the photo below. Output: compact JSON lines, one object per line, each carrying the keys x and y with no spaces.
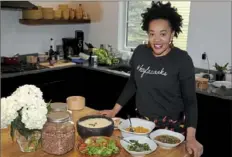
{"x":135,"y":123}
{"x":159,"y":132}
{"x":140,"y":139}
{"x":85,"y":132}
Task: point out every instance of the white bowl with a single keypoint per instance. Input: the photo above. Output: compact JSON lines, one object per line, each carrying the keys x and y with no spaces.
{"x":218,"y":84}
{"x":117,"y":121}
{"x":167,"y":132}
{"x":140,"y":139}
{"x":135,"y":123}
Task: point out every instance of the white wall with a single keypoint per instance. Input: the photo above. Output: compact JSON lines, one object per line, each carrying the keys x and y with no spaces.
{"x":105,"y":31}
{"x":210,"y":32}
{"x":23,"y":39}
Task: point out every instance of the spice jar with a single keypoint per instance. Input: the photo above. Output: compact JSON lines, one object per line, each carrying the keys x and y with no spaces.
{"x":58,"y":134}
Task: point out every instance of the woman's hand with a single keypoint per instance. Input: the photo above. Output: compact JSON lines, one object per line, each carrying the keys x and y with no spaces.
{"x":113,"y":112}
{"x":194,"y":147}
{"x":108,"y":113}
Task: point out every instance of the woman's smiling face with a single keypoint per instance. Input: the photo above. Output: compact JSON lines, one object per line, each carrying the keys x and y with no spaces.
{"x":160,"y":36}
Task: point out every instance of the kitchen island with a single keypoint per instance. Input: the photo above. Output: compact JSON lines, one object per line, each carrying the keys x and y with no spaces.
{"x":101,"y":87}
{"x":11,"y":149}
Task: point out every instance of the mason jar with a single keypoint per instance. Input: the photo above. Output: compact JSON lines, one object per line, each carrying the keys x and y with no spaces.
{"x":58,"y":133}
{"x":60,"y":106}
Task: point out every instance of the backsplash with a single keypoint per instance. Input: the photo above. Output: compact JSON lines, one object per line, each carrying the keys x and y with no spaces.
{"x":23,"y":39}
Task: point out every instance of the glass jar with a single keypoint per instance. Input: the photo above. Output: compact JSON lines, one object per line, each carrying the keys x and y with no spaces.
{"x":58,"y":133}
{"x":60,"y":106}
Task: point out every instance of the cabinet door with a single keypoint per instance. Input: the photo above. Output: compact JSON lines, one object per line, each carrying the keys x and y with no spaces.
{"x":55,"y":91}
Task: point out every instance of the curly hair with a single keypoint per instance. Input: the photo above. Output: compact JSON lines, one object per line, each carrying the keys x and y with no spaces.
{"x":158,"y":10}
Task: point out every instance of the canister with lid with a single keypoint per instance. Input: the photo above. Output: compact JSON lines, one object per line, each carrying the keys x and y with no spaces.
{"x":59,"y":106}
{"x":58,"y":133}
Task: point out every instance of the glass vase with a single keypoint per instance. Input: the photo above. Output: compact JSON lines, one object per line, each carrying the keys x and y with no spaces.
{"x":30,"y":144}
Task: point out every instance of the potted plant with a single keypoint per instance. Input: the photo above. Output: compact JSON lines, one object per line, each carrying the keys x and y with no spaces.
{"x":220,"y":75}
{"x":26,"y":113}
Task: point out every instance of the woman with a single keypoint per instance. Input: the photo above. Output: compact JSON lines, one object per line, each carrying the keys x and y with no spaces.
{"x":163,"y":77}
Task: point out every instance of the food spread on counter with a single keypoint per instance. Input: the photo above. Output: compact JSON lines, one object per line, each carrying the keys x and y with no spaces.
{"x":138,"y":129}
{"x":167,"y":139}
{"x":102,"y":146}
{"x":95,"y":123}
{"x":138,"y":147}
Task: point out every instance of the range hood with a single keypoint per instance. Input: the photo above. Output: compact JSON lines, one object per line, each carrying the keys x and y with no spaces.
{"x":17,"y":5}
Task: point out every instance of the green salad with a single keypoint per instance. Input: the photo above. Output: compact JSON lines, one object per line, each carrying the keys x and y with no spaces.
{"x":99,"y":146}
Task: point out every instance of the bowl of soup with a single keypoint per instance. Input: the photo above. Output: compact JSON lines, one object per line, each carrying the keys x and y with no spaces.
{"x":167,"y":139}
{"x":140,"y":127}
{"x":95,"y":125}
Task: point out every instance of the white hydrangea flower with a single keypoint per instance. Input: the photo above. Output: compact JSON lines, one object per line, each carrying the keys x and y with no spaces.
{"x":34,"y":118}
{"x":30,"y":90}
{"x":29,"y":98}
{"x":8,"y":111}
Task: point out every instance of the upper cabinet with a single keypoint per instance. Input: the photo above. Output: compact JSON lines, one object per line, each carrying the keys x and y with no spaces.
{"x":17,"y":5}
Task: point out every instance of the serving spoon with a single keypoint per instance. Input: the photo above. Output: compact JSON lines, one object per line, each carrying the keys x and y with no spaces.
{"x":131,"y":128}
{"x":121,"y":138}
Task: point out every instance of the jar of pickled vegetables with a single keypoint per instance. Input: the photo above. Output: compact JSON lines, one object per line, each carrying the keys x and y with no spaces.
{"x":58,"y":133}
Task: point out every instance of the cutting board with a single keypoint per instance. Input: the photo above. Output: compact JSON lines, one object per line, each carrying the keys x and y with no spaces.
{"x":59,"y":64}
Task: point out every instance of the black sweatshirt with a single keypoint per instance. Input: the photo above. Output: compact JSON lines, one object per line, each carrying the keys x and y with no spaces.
{"x":164,"y":86}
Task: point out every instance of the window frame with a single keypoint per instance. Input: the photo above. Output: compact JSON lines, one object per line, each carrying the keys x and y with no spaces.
{"x":122,"y":23}
{"x":122,"y":27}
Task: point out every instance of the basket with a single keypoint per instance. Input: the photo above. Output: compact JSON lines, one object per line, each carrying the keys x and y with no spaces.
{"x":32,"y":14}
{"x":57,"y":14}
{"x":202,"y":83}
{"x":65,"y":14}
{"x":48,"y":13}
{"x":63,"y":6}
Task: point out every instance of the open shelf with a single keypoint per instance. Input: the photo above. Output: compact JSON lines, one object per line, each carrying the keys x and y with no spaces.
{"x":52,"y":22}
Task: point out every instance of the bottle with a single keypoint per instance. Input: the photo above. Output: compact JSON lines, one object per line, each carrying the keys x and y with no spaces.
{"x":51,"y":53}
{"x":79,"y":12}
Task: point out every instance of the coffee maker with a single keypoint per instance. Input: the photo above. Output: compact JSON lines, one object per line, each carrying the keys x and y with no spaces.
{"x":73,"y":46}
{"x":69,"y":47}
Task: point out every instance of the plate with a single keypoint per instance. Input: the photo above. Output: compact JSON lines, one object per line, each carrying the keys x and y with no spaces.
{"x":218,"y":84}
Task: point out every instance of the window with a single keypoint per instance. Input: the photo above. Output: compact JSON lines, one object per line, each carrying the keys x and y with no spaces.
{"x":133,"y":35}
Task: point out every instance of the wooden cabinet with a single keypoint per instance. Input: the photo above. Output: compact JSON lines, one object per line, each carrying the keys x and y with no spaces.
{"x":214,"y":128}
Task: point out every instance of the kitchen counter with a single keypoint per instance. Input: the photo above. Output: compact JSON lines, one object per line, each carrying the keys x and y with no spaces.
{"x":11,"y":149}
{"x":211,"y":91}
